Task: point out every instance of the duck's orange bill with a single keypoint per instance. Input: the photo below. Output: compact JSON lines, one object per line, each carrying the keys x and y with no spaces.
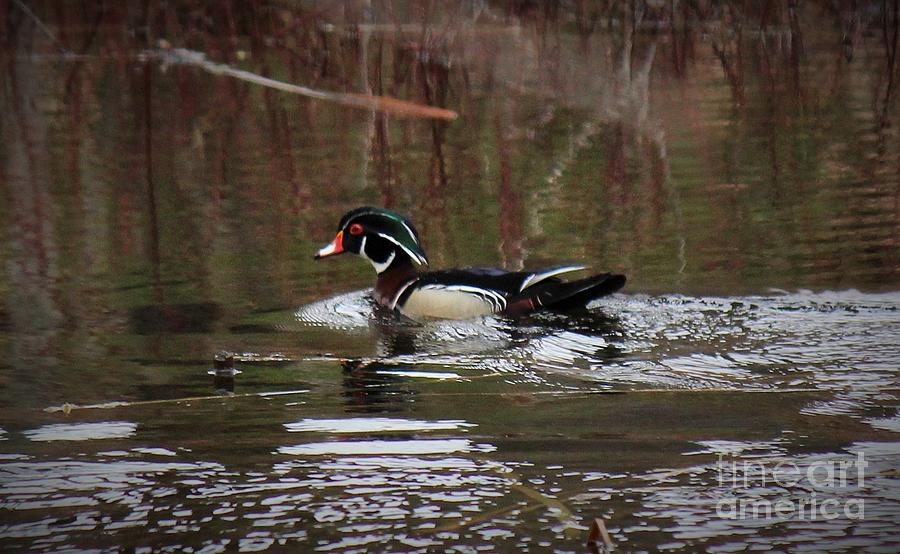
{"x":335,"y":247}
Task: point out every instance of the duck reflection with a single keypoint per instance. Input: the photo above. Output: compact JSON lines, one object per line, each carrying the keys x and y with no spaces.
{"x":529,"y":347}
{"x":583,"y":327}
{"x":369,"y":389}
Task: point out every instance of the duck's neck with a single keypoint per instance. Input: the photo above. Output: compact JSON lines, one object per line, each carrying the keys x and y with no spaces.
{"x":393,"y":279}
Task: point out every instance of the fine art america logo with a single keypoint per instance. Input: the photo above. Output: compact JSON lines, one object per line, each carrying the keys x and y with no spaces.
{"x":817,"y":491}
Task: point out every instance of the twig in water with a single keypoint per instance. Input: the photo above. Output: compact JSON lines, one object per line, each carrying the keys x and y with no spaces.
{"x":562,"y":512}
{"x":68,"y":408}
{"x":597,"y":535}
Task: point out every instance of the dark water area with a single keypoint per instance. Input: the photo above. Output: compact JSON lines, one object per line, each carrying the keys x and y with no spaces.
{"x":739,"y":162}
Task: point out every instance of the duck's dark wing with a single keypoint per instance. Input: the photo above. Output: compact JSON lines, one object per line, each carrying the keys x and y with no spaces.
{"x":507,"y":283}
{"x":554,"y":294}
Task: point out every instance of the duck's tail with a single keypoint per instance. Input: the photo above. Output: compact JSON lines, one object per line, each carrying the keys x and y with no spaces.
{"x":558,"y":295}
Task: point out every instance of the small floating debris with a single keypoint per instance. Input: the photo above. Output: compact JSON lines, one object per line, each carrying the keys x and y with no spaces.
{"x":223,"y":373}
{"x":223,"y":364}
{"x":68,"y":407}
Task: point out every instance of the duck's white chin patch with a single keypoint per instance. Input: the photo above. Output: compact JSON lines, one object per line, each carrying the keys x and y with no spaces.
{"x":380,"y":267}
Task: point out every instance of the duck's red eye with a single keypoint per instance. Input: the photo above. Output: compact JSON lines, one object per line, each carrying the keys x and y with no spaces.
{"x":356,"y":229}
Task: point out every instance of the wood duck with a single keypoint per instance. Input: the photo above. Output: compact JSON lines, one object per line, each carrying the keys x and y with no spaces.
{"x":390,"y":242}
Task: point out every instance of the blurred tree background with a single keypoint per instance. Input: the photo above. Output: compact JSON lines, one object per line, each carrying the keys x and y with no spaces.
{"x":698,"y":146}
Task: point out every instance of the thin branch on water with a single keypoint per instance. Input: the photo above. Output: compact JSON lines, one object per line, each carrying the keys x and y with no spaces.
{"x":393,"y":106}
{"x":68,"y":407}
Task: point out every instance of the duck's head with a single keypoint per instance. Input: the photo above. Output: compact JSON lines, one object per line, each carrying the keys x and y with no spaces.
{"x":378,"y":235}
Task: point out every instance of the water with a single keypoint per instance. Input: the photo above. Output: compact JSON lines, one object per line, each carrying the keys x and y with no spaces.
{"x":746,"y":182}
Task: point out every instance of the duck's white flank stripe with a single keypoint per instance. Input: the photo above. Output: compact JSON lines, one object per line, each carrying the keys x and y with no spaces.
{"x":536,"y":278}
{"x":400,"y":291}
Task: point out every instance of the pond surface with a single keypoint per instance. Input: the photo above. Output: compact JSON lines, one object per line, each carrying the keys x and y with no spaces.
{"x":741,"y":167}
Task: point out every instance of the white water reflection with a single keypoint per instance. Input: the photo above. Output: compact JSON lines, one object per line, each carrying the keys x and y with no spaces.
{"x":414,"y":447}
{"x":438,"y":486}
{"x":413,"y":464}
{"x":697,"y":505}
{"x":82,"y":431}
{"x":886,"y":423}
{"x":439,"y":375}
{"x":374,"y":425}
{"x":38,"y":485}
{"x":742,"y":448}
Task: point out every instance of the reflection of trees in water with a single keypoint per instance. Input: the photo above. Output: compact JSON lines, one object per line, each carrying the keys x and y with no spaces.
{"x":568,"y":122}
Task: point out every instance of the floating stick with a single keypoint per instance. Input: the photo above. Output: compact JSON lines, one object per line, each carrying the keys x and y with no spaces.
{"x":68,"y":408}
